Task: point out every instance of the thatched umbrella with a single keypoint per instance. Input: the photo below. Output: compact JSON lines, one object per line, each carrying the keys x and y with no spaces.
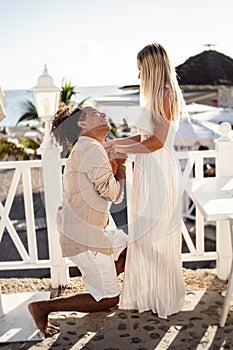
{"x":207,"y":68}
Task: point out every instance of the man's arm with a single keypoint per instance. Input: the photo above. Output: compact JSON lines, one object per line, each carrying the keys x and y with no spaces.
{"x":120,"y":177}
{"x":99,"y":171}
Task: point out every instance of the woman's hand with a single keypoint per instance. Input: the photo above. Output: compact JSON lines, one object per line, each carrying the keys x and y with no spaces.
{"x":117,"y":156}
{"x":108,"y":145}
{"x":118,"y":149}
{"x":113,"y":147}
{"x":115,"y":151}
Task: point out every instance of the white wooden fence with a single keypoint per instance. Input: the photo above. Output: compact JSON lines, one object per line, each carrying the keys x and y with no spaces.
{"x":50,"y":165}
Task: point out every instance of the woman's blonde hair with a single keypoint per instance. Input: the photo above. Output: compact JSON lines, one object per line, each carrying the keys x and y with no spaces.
{"x":159,"y":82}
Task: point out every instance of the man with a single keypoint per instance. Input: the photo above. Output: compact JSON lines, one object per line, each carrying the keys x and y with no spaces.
{"x":97,"y":249}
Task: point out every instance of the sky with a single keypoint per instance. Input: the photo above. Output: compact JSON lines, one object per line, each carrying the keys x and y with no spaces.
{"x":95,"y":42}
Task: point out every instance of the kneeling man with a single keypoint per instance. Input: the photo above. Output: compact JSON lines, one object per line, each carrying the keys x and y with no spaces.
{"x":98,"y":249}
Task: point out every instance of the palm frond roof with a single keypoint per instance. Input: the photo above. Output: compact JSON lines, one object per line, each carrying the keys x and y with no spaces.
{"x":207,"y":68}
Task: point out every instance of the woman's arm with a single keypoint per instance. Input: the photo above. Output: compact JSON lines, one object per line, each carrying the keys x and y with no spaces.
{"x":133,"y":144}
{"x":123,"y":141}
{"x":153,"y":143}
{"x":149,"y":145}
{"x":156,"y":141}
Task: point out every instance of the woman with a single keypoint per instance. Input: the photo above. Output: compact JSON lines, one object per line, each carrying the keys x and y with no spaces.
{"x":153,"y":272}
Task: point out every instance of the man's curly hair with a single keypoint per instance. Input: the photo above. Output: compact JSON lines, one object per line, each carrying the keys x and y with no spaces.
{"x":65,"y":126}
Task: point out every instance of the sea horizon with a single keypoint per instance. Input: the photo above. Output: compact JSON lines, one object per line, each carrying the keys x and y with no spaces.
{"x":16,"y":98}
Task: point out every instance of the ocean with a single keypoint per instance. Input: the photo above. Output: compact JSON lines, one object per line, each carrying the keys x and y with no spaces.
{"x":16,"y":98}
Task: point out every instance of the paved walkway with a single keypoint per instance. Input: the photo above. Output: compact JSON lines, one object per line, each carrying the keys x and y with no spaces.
{"x":195,"y":327}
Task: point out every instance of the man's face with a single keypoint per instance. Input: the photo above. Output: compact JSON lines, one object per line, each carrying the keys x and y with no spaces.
{"x":95,"y":120}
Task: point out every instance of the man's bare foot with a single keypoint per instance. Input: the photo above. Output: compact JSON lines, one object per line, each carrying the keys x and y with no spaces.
{"x":40,"y":317}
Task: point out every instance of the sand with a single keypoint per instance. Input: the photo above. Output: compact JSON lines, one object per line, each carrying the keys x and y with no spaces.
{"x":200,"y":279}
{"x":196,"y":326}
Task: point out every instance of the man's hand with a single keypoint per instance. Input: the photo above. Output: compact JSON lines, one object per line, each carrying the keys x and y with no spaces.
{"x":120,"y":159}
{"x":114,"y":165}
{"x":117,"y":160}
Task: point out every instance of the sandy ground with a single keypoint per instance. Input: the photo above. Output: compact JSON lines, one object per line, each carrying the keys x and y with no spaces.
{"x":196,"y":326}
{"x":200,"y":279}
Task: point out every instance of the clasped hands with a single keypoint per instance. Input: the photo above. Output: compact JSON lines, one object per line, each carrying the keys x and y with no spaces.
{"x":116,"y":157}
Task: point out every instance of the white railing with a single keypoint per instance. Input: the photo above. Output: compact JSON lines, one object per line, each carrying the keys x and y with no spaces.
{"x":192,"y":165}
{"x":52,"y":174}
{"x":21,"y":172}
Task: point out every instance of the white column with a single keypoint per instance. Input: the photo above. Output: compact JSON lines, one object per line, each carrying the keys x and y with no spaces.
{"x":52,"y":177}
{"x":224,"y":167}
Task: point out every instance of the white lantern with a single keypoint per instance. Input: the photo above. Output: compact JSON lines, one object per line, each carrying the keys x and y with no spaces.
{"x":46,"y":96}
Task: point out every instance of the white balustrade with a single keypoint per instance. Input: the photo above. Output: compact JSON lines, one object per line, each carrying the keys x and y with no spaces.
{"x":191,"y":165}
{"x":194,"y":168}
{"x":22,"y":170}
{"x":224,"y":167}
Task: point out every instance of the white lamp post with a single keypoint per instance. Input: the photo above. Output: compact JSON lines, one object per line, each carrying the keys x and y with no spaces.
{"x":46,"y":96}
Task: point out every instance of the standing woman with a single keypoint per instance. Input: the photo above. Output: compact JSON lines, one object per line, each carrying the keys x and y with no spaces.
{"x":153,"y":273}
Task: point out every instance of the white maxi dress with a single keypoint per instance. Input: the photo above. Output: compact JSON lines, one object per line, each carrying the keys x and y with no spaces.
{"x":153,"y":272}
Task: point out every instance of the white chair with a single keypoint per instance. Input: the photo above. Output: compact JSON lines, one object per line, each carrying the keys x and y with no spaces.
{"x":229,"y":291}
